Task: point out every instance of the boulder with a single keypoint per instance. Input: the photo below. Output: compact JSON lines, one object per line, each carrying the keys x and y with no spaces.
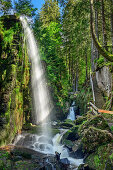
{"x":67,"y":124}
{"x":102,"y":158}
{"x":94,"y":137}
{"x":97,"y":122}
{"x":78,"y":150}
{"x":80,"y":120}
{"x":84,"y":167}
{"x":72,"y":134}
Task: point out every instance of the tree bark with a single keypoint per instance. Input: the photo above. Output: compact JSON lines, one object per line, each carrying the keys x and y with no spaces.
{"x":86,"y":68}
{"x":104,"y":26}
{"x":112,"y":24}
{"x":96,"y":30}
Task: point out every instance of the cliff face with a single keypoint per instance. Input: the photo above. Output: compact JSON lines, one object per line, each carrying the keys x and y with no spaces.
{"x":15,"y":104}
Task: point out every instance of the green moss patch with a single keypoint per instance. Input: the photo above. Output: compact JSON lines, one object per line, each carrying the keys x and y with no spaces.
{"x":102,"y":158}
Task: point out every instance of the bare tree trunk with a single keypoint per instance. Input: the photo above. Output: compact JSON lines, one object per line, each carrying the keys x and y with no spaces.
{"x":69,"y":66}
{"x":112,"y":24}
{"x":76,"y":76}
{"x":96,"y":29}
{"x":86,"y":68}
{"x":104,"y":27}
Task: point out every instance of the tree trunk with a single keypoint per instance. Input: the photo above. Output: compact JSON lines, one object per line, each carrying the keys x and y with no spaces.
{"x":96,"y":30}
{"x":69,"y":66}
{"x":104,"y":27}
{"x":102,"y":51}
{"x":86,"y":68}
{"x":112,"y":24}
{"x":76,"y":76}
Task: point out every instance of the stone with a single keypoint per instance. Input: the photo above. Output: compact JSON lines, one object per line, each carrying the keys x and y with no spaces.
{"x":94,"y":137}
{"x":102,"y":158}
{"x":97,"y":122}
{"x":80,"y":120}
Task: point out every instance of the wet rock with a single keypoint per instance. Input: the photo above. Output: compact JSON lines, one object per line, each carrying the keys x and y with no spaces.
{"x":44,"y":139}
{"x":84,"y":167}
{"x":80,"y":120}
{"x":68,"y":144}
{"x":78,"y":150}
{"x":94,"y":137}
{"x":67,"y":124}
{"x":72,"y":134}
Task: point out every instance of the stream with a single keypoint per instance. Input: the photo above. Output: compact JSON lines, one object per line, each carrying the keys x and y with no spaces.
{"x":45,"y":142}
{"x":48,"y":145}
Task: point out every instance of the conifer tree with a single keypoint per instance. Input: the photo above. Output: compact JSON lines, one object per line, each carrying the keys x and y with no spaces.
{"x":25,"y":7}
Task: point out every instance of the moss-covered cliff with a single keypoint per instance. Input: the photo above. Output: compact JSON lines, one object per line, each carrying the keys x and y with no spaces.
{"x":15,"y":105}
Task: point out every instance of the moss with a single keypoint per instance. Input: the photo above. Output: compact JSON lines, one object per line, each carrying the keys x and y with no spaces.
{"x":80,"y":120}
{"x":100,"y":159}
{"x":67,"y":123}
{"x":15,"y":93}
{"x":97,"y":121}
{"x":93,"y":138}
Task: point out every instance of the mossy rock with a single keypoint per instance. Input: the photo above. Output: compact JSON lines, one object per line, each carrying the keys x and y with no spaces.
{"x":102,"y":158}
{"x":71,"y":134}
{"x":37,"y":129}
{"x":80,"y":120}
{"x":97,"y":122}
{"x":22,"y":165}
{"x":84,"y":167}
{"x":67,"y":143}
{"x":5,"y":162}
{"x":67,"y":124}
{"x":94,"y":137}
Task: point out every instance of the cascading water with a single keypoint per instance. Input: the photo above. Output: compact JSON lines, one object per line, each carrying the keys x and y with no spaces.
{"x":41,"y":97}
{"x":71,"y":115}
{"x":43,"y":143}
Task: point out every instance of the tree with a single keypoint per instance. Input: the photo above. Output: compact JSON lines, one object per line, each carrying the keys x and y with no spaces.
{"x":101,"y":50}
{"x":5,"y":6}
{"x":50,"y":12}
{"x":76,"y":41}
{"x":48,"y":32}
{"x":25,"y":7}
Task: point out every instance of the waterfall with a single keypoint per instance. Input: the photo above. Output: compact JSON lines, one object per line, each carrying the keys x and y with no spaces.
{"x":41,"y":97}
{"x":71,"y":114}
{"x":42,"y":106}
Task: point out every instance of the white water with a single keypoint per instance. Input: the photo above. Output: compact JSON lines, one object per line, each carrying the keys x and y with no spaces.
{"x":41,"y":97}
{"x":42,"y":105}
{"x":71,"y":114}
{"x":47,"y":145}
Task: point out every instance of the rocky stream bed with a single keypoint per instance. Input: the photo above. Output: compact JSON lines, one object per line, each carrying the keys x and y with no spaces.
{"x":88,"y":137}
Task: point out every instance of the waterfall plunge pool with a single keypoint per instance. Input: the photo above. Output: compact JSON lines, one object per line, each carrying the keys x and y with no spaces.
{"x":47,"y":146}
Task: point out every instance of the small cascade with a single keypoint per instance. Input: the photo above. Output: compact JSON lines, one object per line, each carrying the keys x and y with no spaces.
{"x":47,"y":145}
{"x":71,"y":114}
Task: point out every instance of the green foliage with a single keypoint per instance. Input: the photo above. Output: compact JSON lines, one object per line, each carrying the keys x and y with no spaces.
{"x":25,"y":7}
{"x":14,"y":80}
{"x":8,"y":36}
{"x":50,"y":40}
{"x":82,"y":98}
{"x":101,"y":159}
{"x":49,"y":12}
{"x":111,"y":128}
{"x":100,"y":62}
{"x":5,"y":6}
